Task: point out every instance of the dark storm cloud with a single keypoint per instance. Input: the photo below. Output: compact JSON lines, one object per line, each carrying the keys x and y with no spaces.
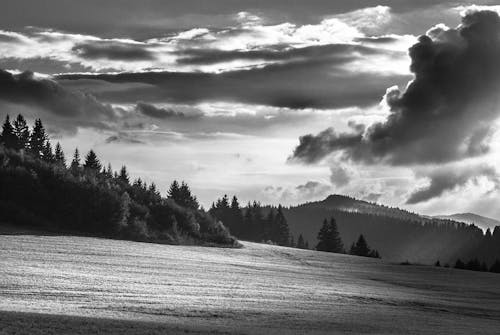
{"x":113,"y":51}
{"x":448,"y":179}
{"x":213,"y":56}
{"x":158,"y":113}
{"x":298,"y":84}
{"x":48,"y":95}
{"x":446,"y":113}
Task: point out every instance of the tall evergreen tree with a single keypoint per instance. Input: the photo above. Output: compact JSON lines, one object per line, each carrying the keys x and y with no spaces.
{"x":329,"y":237}
{"x":75,"y":162}
{"x":124,"y":175}
{"x":92,"y":163}
{"x":283,"y":231}
{"x":22,"y":133}
{"x":37,"y":139}
{"x":8,"y":138}
{"x":173,"y":191}
{"x":59,"y":155}
{"x":360,"y":248}
{"x":47,"y":153}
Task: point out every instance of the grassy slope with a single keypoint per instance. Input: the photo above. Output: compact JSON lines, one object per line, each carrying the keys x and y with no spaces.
{"x":256,"y":289}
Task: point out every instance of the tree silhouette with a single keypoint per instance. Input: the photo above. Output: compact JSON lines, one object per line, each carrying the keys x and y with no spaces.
{"x":124,"y":175}
{"x":59,"y":155}
{"x":361,"y":247}
{"x":329,"y":237}
{"x":92,"y":163}
{"x":22,"y":133}
{"x":75,"y":165}
{"x":47,"y":153}
{"x":38,"y":139}
{"x":8,"y":138}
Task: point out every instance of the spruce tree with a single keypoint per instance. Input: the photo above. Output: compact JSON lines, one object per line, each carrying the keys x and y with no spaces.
{"x":173,"y":192}
{"x":22,"y":133}
{"x":59,"y":155}
{"x":47,"y":154}
{"x":124,"y":177}
{"x":92,"y":163}
{"x":8,"y":138}
{"x":361,"y":248}
{"x":37,"y":139}
{"x":75,"y":163}
{"x":329,"y":238}
{"x":283,"y":231}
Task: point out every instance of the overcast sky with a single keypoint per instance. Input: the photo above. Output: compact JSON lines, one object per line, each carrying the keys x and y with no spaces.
{"x":282,"y":101}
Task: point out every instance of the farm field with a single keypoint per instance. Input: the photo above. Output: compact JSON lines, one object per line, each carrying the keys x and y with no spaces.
{"x":80,"y":285}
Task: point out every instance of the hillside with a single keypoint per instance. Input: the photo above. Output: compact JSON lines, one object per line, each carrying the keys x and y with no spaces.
{"x":50,"y":283}
{"x":470,"y":218}
{"x":397,"y":234}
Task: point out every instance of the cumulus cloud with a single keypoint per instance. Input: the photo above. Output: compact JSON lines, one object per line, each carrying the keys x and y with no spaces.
{"x":446,"y":113}
{"x":446,"y":179}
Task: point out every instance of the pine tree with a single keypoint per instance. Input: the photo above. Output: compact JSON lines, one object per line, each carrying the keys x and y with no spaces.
{"x":75,"y":163}
{"x":361,"y":248}
{"x":283,"y":231}
{"x":22,"y":133}
{"x":329,"y":237}
{"x":173,"y":191}
{"x":92,"y":163}
{"x":59,"y":155}
{"x":307,"y":245}
{"x":124,"y":175}
{"x":37,"y":139}
{"x":8,"y":138}
{"x":47,"y":154}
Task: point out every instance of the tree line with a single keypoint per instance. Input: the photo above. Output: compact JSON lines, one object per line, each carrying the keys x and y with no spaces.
{"x":39,"y":189}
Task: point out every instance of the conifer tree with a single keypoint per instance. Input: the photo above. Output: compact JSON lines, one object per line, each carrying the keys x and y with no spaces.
{"x":124,"y":175}
{"x":8,"y":138}
{"x":92,"y":163}
{"x":329,"y":237}
{"x":75,"y":163}
{"x":173,"y":191}
{"x":361,"y":248}
{"x":59,"y":155}
{"x":47,"y":154}
{"x":283,"y":231}
{"x":37,"y":139}
{"x":22,"y":133}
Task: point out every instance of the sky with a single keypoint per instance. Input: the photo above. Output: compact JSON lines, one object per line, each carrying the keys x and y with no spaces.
{"x":284,"y":101}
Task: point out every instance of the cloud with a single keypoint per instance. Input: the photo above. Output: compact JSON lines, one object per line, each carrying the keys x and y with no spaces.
{"x":158,"y":113}
{"x":27,"y":89}
{"x":296,"y":84}
{"x":113,"y":50}
{"x":339,"y":176}
{"x":449,"y":178}
{"x":447,"y":111}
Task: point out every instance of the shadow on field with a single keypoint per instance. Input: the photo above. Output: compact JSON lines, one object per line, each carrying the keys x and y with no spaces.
{"x":35,"y":324}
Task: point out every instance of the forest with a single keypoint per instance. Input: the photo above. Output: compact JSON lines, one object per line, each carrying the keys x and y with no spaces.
{"x":40,"y":189}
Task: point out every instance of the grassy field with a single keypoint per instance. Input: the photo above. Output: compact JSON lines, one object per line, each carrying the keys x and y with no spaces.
{"x":78,"y":285}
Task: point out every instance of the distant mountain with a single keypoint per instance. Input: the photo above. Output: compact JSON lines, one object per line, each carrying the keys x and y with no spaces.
{"x":471,"y":218}
{"x":397,"y":234}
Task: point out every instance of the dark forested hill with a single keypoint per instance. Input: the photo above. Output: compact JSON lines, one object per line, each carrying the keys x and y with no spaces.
{"x":39,"y":190}
{"x":397,"y":234}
